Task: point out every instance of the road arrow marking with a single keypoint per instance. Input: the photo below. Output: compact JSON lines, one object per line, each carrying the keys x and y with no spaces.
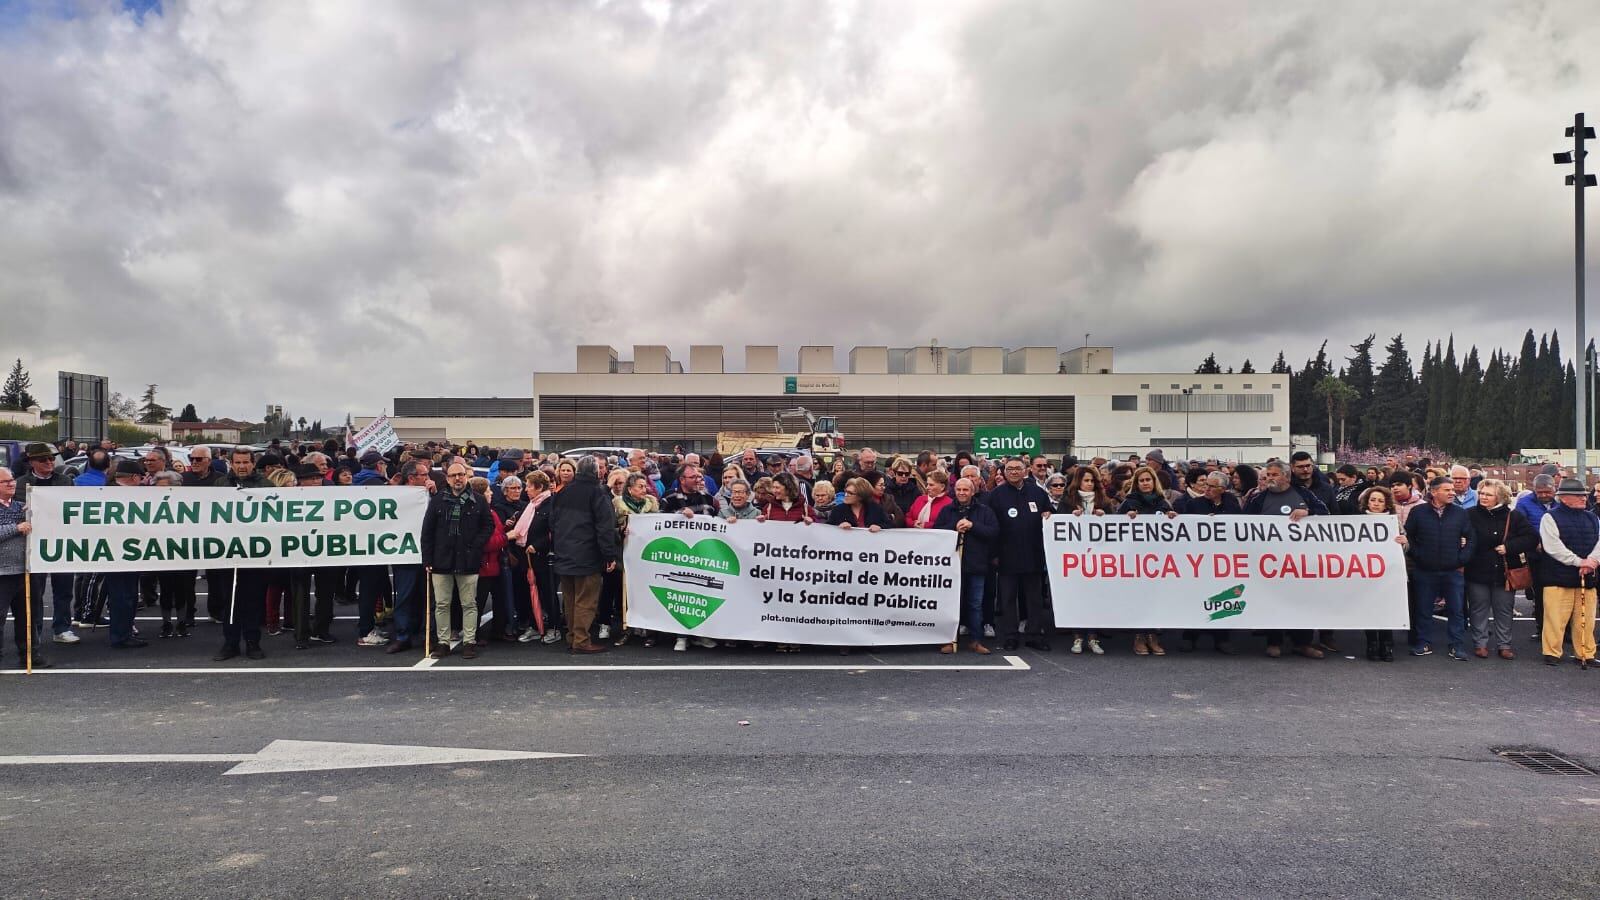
{"x":299,"y":756}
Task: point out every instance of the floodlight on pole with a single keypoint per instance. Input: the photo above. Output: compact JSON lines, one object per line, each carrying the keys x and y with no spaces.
{"x":1578,"y":180}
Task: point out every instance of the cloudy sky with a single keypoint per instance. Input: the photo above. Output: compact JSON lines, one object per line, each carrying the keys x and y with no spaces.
{"x":328,"y":204}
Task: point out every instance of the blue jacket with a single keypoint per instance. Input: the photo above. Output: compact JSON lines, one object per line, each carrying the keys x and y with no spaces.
{"x":1533,"y":510}
{"x":369,"y":476}
{"x":1441,"y":540}
{"x":90,"y":478}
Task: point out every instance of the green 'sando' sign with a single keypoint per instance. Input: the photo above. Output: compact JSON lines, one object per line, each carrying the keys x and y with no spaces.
{"x":1000,"y":440}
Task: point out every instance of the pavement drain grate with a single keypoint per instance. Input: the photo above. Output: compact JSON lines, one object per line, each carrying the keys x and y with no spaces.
{"x":1545,"y":763}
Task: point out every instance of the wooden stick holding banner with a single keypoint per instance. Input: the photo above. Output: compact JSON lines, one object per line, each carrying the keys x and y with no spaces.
{"x":27,"y":590}
{"x":427,"y":615}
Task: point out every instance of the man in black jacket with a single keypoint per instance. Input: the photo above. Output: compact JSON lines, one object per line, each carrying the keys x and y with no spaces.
{"x":455,"y":529}
{"x":579,"y":529}
{"x":1308,"y":477}
{"x":1439,"y":541}
{"x":247,"y":603}
{"x":977,"y":528}
{"x":1020,"y":508}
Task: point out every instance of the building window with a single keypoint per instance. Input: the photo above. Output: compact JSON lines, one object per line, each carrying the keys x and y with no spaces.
{"x":1277,"y":386}
{"x":1217,"y":387}
{"x":1249,"y":387}
{"x":1144,"y":428}
{"x":1276,"y":428}
{"x":1213,"y":442}
{"x":1176,"y":386}
{"x":1144,"y":387}
{"x":1124,"y":402}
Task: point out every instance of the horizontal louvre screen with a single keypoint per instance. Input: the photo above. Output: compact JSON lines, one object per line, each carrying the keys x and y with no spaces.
{"x":465,"y":407}
{"x":895,"y":424}
{"x":1175,"y":403}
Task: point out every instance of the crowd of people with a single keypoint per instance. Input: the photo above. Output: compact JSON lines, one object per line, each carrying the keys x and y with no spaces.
{"x":522,"y":548}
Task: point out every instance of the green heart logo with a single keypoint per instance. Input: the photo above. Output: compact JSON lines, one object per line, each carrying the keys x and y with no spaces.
{"x":709,"y":555}
{"x":689,"y":609}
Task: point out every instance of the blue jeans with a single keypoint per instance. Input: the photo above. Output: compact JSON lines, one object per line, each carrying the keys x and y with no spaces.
{"x":122,"y":598}
{"x":407,"y":603}
{"x":972,"y":604}
{"x":1425,"y":586}
{"x":60,"y":599}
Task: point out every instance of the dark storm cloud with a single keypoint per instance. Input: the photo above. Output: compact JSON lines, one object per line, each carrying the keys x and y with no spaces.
{"x":326,"y":205}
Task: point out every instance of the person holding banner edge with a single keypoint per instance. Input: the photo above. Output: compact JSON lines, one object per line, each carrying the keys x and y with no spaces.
{"x":976,"y":529}
{"x":1279,"y":497}
{"x":247,"y":587}
{"x":1146,"y":496}
{"x":14,"y":584}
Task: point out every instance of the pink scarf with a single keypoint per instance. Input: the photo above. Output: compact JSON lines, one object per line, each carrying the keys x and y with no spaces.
{"x":524,"y":521}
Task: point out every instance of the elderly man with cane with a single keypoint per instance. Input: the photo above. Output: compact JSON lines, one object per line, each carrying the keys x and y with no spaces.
{"x":1570,"y":535}
{"x":15,"y":588}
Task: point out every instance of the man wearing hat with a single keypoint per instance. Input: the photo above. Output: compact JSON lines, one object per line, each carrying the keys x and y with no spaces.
{"x":42,"y":472}
{"x":370,"y":473}
{"x":1570,"y":535}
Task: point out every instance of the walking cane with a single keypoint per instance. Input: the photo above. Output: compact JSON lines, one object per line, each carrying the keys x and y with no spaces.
{"x":533,"y":593}
{"x":27,"y":585}
{"x":427,"y":615}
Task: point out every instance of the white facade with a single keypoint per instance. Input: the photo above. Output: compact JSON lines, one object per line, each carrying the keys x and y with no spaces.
{"x":896,"y":399}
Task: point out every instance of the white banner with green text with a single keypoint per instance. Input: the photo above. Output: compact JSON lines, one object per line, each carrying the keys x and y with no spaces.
{"x":149,"y":529}
{"x":790,"y":583}
{"x":1247,"y":572}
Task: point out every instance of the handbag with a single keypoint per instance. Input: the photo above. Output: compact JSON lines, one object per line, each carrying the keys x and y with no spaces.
{"x":1519,"y":578}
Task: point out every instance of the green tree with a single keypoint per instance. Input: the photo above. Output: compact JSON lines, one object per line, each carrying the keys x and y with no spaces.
{"x":188,"y":414}
{"x":1393,"y":417}
{"x":1247,"y":369}
{"x":1209,"y":367}
{"x":1337,"y":396}
{"x":1280,"y":367}
{"x":1467,"y":432}
{"x":15,"y":393}
{"x":1304,"y":417}
{"x":152,"y":412}
{"x":1358,"y":375}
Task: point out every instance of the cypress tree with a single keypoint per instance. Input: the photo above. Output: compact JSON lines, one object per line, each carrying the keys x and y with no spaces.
{"x":1393,"y":417}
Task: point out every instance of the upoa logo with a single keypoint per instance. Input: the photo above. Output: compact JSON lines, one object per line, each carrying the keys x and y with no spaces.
{"x":1226,"y":604}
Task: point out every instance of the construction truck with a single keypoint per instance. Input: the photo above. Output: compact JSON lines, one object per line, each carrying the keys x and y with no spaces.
{"x":821,"y":438}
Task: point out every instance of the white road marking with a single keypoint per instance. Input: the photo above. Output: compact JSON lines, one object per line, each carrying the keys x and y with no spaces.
{"x":299,"y":756}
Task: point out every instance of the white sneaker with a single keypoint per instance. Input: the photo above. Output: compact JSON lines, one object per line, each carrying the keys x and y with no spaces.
{"x":66,"y":637}
{"x":372,"y":639}
{"x":962,"y":631}
{"x":707,"y":643}
{"x":604,"y":634}
{"x":681,"y":644}
{"x":527,"y":636}
{"x":988,"y":631}
{"x":1077,"y":645}
{"x":1094,"y":647}
{"x":553,"y":636}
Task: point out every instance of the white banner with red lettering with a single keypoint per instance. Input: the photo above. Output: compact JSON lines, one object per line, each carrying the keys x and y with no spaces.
{"x":1247,"y":572}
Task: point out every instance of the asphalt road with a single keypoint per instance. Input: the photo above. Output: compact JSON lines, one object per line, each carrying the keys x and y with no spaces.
{"x":1192,"y":775}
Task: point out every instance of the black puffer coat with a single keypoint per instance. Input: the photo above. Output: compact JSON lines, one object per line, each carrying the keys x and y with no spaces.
{"x":451,"y":545}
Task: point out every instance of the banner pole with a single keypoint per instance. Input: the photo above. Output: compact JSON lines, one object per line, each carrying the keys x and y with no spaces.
{"x":27,"y":583}
{"x":427,"y":615}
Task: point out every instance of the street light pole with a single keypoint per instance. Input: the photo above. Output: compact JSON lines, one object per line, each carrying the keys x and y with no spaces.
{"x":1579,"y":132}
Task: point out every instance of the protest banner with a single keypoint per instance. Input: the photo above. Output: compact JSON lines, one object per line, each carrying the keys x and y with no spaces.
{"x":791,"y":584}
{"x":1248,"y":572}
{"x":150,"y":529}
{"x":378,"y":435}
